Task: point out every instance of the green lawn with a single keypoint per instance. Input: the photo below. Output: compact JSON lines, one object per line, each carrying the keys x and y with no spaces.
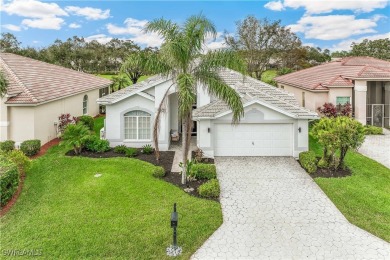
{"x":364,"y":197}
{"x":99,"y":124}
{"x":125,"y":214}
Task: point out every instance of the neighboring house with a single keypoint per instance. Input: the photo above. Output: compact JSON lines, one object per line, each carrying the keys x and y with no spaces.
{"x":39,"y":92}
{"x":274,"y":124}
{"x":364,"y":82}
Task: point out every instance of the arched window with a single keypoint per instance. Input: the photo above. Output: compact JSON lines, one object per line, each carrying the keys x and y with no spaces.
{"x":137,"y":125}
{"x":85,"y":105}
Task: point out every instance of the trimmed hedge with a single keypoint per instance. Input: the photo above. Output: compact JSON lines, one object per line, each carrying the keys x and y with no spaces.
{"x":210,"y":189}
{"x":7,"y":146}
{"x":203,"y":171}
{"x":158,"y":172}
{"x":373,"y":130}
{"x":30,"y":147}
{"x":20,"y":159}
{"x":9,"y":180}
{"x":308,"y":161}
{"x":96,"y":145}
{"x":88,"y":121}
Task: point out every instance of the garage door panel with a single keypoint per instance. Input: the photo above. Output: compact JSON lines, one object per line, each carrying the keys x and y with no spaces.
{"x":253,"y":140}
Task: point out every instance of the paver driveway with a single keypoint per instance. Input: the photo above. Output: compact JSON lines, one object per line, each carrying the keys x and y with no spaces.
{"x":273,"y":210}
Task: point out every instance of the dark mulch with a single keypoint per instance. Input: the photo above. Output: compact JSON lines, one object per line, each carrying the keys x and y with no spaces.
{"x":175,"y":179}
{"x":166,"y":158}
{"x":329,"y":173}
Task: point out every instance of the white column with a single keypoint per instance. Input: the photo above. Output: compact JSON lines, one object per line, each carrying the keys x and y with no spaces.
{"x":361,"y":101}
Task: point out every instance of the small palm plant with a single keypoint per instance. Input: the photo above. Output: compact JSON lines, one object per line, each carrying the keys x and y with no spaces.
{"x":182,"y":58}
{"x":75,"y":136}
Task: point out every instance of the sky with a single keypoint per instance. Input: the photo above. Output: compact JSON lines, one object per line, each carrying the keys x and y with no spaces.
{"x":328,"y":24}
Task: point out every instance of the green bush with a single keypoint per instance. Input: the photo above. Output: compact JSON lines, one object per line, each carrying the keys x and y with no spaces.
{"x":22,"y":161}
{"x":75,"y":136}
{"x":7,"y":145}
{"x":9,"y":180}
{"x":158,"y":172}
{"x":210,"y":189}
{"x":120,"y":149}
{"x":203,"y":171}
{"x":147,"y":149}
{"x":96,"y":145}
{"x":308,"y":161}
{"x":322,"y":163}
{"x":373,"y":130}
{"x":30,"y":147}
{"x":87,"y":121}
{"x":131,"y":152}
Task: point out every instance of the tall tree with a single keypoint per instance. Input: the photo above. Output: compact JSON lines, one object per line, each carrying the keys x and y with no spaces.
{"x":181,"y":59}
{"x":9,"y":43}
{"x":135,"y":65}
{"x":260,"y":42}
{"x":376,"y":48}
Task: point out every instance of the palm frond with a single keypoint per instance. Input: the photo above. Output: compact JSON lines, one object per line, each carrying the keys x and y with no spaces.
{"x":218,"y":59}
{"x":186,"y":93}
{"x":165,"y":28}
{"x":197,"y":28}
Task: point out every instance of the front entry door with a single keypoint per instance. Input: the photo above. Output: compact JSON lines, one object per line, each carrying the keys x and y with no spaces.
{"x":377,"y":115}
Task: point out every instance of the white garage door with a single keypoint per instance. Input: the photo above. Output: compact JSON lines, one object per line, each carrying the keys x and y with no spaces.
{"x":253,"y":140}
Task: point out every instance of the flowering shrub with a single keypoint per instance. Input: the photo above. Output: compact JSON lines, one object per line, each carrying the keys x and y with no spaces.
{"x":64,"y":120}
{"x":330,"y":110}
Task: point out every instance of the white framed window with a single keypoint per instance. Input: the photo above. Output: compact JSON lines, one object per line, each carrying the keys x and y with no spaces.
{"x":137,"y":125}
{"x":85,"y":105}
{"x":343,"y":100}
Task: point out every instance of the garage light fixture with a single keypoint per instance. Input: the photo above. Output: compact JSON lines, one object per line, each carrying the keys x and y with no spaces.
{"x":299,"y":129}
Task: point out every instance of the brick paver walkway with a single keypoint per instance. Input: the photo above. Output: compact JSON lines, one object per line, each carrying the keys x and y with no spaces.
{"x":377,"y":147}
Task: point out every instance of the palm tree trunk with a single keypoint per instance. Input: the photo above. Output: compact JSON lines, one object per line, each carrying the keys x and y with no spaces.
{"x":186,"y":135}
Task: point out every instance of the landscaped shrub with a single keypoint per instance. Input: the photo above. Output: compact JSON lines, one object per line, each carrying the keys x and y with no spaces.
{"x":330,"y":110}
{"x":202,"y":171}
{"x":131,"y":152}
{"x":7,"y":145}
{"x":210,"y":189}
{"x":9,"y":180}
{"x":120,"y":149}
{"x":64,"y":120}
{"x":30,"y":147}
{"x":96,"y":145}
{"x":308,"y":161}
{"x":147,"y":149}
{"x":87,"y":121}
{"x":75,"y":136}
{"x":21,"y":160}
{"x":158,"y":172}
{"x":373,"y":130}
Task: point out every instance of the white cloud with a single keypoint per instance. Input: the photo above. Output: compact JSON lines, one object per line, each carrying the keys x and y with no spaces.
{"x":53,"y":23}
{"x":12,"y":27}
{"x":274,"y":6}
{"x":88,"y":12}
{"x":134,"y":30}
{"x":33,"y":9}
{"x":346,"y":44}
{"x":74,"y":25}
{"x":333,"y":27}
{"x":327,"y":6}
{"x":214,"y":44}
{"x":101,"y":38}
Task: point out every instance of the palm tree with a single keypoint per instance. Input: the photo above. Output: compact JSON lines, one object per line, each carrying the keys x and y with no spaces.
{"x":181,"y":58}
{"x":119,"y":82}
{"x":3,"y":84}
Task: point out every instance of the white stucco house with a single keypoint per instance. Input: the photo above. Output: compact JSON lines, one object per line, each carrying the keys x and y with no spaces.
{"x":273,"y":125}
{"x":38,"y":92}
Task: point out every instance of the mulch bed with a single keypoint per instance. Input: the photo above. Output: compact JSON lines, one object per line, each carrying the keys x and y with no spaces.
{"x":166,"y":157}
{"x":46,"y":147}
{"x":328,"y":173}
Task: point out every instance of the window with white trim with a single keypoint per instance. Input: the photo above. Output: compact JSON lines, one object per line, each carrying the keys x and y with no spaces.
{"x":85,"y":105}
{"x":343,"y":100}
{"x":137,"y":125}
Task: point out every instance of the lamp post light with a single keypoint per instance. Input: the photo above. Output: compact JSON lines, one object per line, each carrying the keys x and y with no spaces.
{"x":174,"y":250}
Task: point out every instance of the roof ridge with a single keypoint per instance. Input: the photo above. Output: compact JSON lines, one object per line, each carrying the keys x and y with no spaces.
{"x":17,"y":80}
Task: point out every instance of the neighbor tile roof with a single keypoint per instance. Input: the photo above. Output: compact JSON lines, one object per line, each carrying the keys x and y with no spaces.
{"x":253,"y":90}
{"x":34,"y":82}
{"x":337,"y":73}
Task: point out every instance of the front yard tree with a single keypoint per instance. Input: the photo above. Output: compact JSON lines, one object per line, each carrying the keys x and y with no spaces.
{"x":260,"y":41}
{"x":180,"y":58}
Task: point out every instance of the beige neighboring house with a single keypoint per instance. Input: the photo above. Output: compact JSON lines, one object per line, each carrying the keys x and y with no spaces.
{"x":364,"y":82}
{"x":39,"y":92}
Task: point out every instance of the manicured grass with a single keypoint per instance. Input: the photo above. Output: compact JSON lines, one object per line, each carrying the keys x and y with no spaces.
{"x":364,"y":197}
{"x":268,"y":76}
{"x":99,"y":124}
{"x":125,"y":214}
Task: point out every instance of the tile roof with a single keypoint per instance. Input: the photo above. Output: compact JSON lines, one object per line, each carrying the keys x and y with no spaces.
{"x":337,"y":73}
{"x":34,"y":82}
{"x":131,"y":90}
{"x":253,"y":90}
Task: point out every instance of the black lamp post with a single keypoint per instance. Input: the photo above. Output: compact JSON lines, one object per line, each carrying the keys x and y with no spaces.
{"x":174,"y":250}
